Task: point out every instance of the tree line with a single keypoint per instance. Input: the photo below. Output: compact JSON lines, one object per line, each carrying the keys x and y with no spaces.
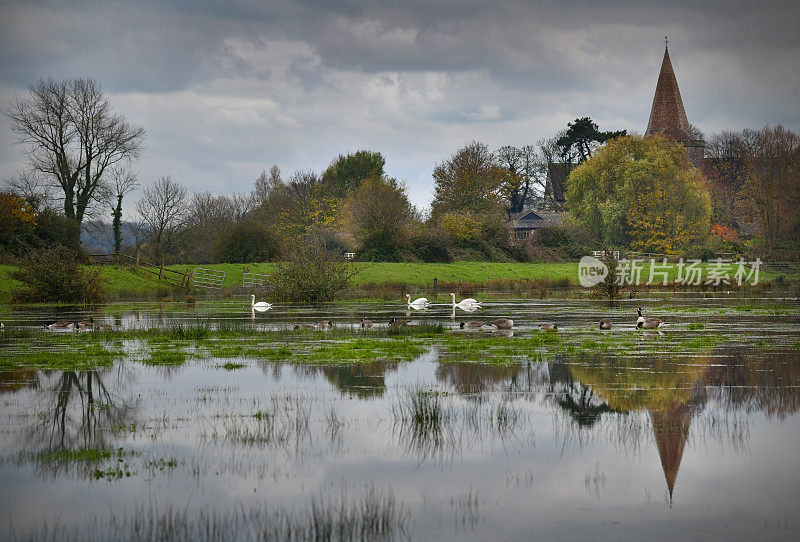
{"x":621,"y":190}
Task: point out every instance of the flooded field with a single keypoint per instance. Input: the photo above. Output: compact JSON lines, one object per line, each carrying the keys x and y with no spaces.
{"x":209,"y":422}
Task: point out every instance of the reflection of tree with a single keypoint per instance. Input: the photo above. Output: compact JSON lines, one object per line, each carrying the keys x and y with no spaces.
{"x":79,"y":414}
{"x":577,"y":400}
{"x":477,"y":377}
{"x":18,"y":379}
{"x":770,"y":383}
{"x":669,"y":388}
{"x":362,"y":380}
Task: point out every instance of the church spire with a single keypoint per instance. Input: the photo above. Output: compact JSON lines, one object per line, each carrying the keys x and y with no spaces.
{"x":667,"y":115}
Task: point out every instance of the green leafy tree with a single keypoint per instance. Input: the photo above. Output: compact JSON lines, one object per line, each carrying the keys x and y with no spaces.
{"x":347,"y":172}
{"x":582,"y":138}
{"x":642,"y":193}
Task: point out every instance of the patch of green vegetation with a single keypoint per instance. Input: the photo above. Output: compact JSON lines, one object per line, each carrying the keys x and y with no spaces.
{"x":232,"y":366}
{"x":166,"y":357}
{"x":88,"y":357}
{"x":364,"y":350}
{"x":695,"y":326}
{"x":84,"y":455}
{"x":703,"y":342}
{"x":161,"y":464}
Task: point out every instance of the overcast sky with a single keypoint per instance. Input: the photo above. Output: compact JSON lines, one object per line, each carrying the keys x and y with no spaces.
{"x":225,"y":89}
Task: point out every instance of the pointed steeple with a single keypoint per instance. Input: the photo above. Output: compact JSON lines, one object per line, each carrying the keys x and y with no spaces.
{"x":667,"y":115}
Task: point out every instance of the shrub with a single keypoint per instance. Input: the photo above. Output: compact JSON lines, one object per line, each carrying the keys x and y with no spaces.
{"x":609,"y":288}
{"x":17,"y":223}
{"x":247,"y":241}
{"x":432,"y":245}
{"x":55,"y":229}
{"x":55,"y":276}
{"x":560,"y":243}
{"x":310,"y":275}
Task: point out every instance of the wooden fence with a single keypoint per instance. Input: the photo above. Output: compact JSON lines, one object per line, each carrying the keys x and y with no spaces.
{"x":163,"y":274}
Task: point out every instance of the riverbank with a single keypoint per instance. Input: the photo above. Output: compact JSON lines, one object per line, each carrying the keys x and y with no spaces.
{"x":372,"y":280}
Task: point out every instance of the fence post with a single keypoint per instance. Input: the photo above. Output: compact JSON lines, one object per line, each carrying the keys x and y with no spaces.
{"x":434,"y":287}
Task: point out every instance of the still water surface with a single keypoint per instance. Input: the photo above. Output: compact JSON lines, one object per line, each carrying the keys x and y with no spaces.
{"x":693,"y":446}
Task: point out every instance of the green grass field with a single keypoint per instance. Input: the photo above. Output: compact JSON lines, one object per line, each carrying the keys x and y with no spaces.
{"x":124,"y":283}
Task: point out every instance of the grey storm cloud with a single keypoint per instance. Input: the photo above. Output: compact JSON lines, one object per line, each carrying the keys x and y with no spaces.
{"x":225,"y":89}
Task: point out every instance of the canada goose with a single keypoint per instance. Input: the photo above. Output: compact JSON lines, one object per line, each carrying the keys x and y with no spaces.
{"x":304,"y":326}
{"x":62,"y":324}
{"x":472,"y":324}
{"x":394,"y":322}
{"x":548,"y":326}
{"x":367,"y":323}
{"x":84,"y":324}
{"x":261,"y":306}
{"x":325,"y":324}
{"x":503,"y":323}
{"x":606,"y":323}
{"x":467,"y":304}
{"x":102,"y":327}
{"x":417,"y":304}
{"x":647,"y":323}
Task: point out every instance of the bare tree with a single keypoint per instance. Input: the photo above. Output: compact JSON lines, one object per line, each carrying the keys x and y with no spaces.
{"x":208,"y":217}
{"x":72,"y":137}
{"x":265,"y":183}
{"x":163,"y":207}
{"x":523,"y":174}
{"x":140,"y":231}
{"x":32,"y":187}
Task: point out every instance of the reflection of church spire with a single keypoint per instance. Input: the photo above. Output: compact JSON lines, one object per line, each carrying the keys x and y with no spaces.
{"x":670,"y":428}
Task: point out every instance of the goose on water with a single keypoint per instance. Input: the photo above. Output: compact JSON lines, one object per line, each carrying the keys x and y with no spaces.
{"x":647,"y":323}
{"x":261,"y":306}
{"x":548,"y":326}
{"x":417,"y":304}
{"x":606,"y":323}
{"x":503,"y":323}
{"x":466,"y":304}
{"x":367,"y":323}
{"x":325,"y":324}
{"x":62,"y":324}
{"x":304,"y":326}
{"x":472,"y":324}
{"x":394,"y":322}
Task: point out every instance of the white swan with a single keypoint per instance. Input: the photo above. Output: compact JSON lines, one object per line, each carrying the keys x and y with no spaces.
{"x":417,"y":304}
{"x":261,"y":306}
{"x":467,"y":304}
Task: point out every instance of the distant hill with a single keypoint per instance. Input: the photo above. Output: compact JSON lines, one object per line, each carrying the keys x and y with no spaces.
{"x":97,"y":237}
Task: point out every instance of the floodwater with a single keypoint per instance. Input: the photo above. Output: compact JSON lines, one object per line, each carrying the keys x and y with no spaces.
{"x":689,"y":445}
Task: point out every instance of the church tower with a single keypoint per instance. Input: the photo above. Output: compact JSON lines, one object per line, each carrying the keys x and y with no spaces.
{"x":668,"y":116}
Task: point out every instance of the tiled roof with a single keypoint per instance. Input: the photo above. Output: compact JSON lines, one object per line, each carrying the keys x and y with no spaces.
{"x":667,"y":115}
